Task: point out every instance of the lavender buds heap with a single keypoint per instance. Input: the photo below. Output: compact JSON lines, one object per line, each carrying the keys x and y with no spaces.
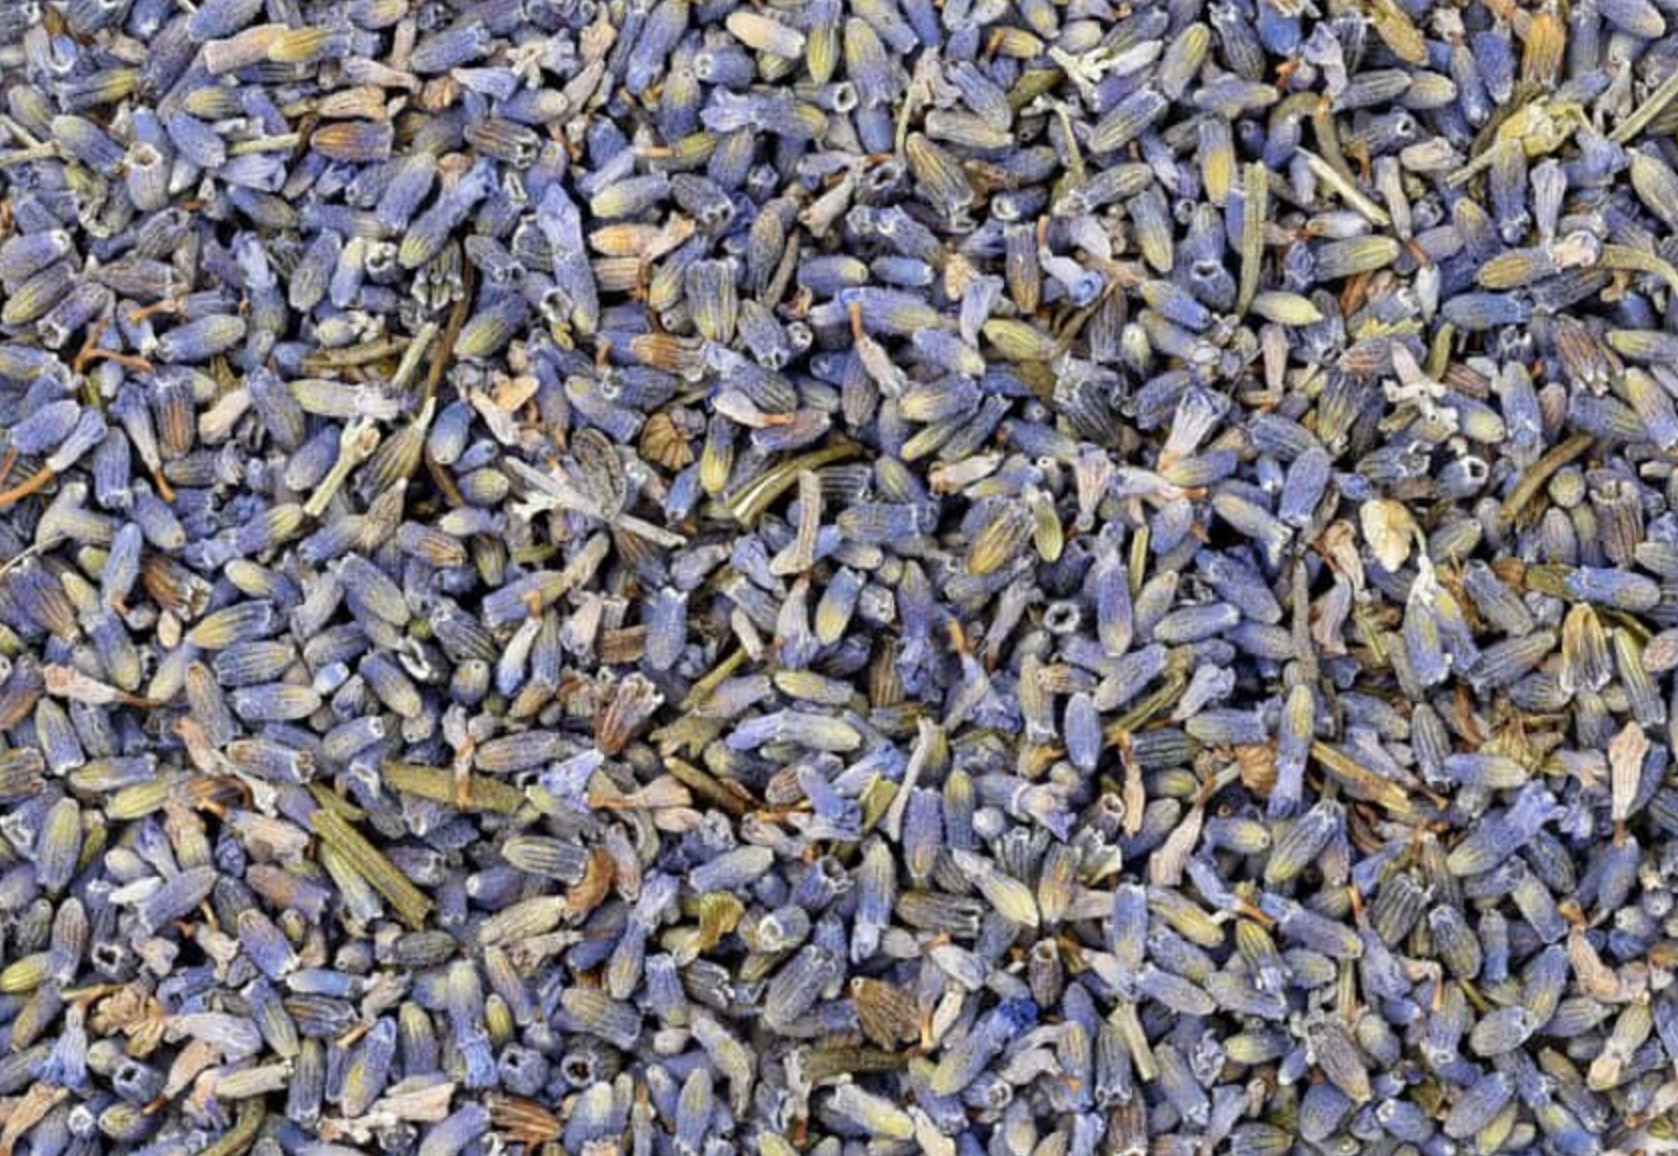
{"x":843,"y":577}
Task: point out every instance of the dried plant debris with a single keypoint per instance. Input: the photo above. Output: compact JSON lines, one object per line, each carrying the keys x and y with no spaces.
{"x":838,"y":577}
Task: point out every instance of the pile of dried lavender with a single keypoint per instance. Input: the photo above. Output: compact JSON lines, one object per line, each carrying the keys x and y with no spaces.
{"x":837,"y":576}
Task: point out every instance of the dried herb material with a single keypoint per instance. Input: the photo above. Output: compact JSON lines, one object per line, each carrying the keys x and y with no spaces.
{"x":838,"y":577}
